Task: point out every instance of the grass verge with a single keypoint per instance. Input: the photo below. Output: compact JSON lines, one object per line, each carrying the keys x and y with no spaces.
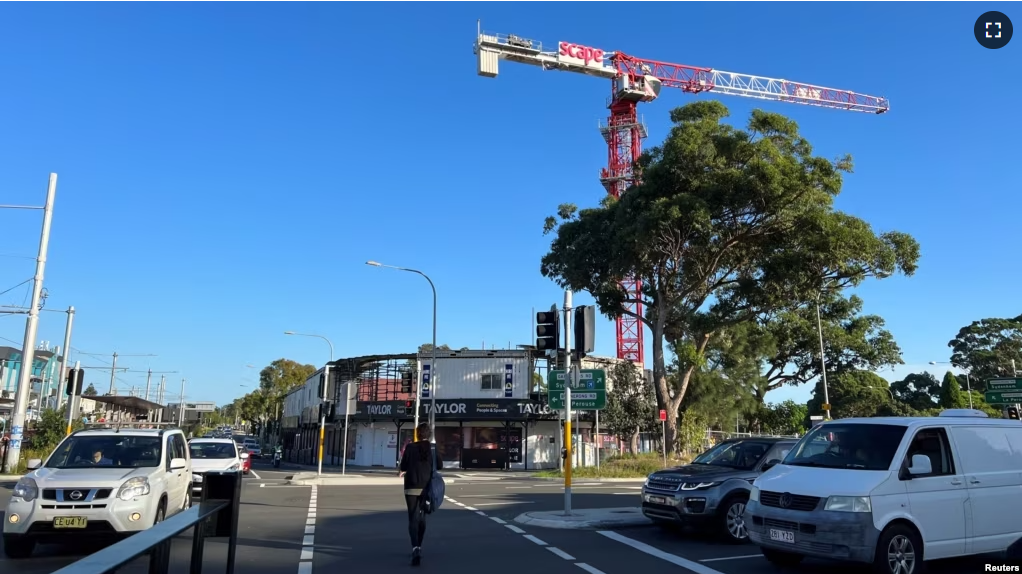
{"x":621,"y":466}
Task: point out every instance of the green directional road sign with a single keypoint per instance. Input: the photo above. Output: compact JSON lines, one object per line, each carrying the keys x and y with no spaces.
{"x":1002,"y":397}
{"x":1004,"y":384}
{"x":589,"y":394}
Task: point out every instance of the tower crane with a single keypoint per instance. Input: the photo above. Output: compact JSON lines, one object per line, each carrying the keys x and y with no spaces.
{"x":634,"y":80}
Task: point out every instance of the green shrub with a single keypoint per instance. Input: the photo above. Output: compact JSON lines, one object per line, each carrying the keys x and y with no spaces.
{"x":619,"y":466}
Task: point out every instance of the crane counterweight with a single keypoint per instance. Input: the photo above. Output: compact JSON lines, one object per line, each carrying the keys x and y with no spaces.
{"x":635,"y":80}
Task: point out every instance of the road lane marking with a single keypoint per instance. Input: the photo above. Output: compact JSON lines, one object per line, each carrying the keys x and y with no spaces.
{"x":665,"y":556}
{"x":732,"y":558}
{"x":470,"y":508}
{"x":306,"y":554}
{"x":507,"y":502}
{"x":310,"y":521}
{"x":256,"y":475}
{"x":480,"y":513}
{"x":497,"y":520}
{"x":561,"y":553}
{"x":589,"y":568}
{"x":308,"y":540}
{"x":310,"y":529}
{"x":514,"y":529}
{"x":532,"y":538}
{"x":305,"y":568}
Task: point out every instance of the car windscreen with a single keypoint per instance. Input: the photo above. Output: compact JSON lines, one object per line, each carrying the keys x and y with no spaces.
{"x":212,"y":450}
{"x":100,"y":451}
{"x":854,"y":446}
{"x":741,"y":455}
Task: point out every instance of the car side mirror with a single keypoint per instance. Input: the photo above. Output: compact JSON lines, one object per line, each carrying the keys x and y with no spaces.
{"x":920,"y":465}
{"x":244,"y":455}
{"x":770,"y":464}
{"x":33,"y":464}
{"x":178,"y":463}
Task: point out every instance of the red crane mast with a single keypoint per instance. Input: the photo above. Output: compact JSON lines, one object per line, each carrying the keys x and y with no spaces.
{"x":635,"y":80}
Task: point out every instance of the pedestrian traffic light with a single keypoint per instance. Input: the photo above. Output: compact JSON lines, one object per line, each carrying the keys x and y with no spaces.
{"x":75,"y":378}
{"x":548,"y":329}
{"x":585,"y":330}
{"x":1013,"y":413}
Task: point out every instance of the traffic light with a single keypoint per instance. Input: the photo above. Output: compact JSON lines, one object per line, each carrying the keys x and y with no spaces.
{"x":585,"y":330}
{"x":548,"y":329}
{"x":406,"y":382}
{"x":322,"y":386}
{"x":75,"y":379}
{"x":1013,"y":413}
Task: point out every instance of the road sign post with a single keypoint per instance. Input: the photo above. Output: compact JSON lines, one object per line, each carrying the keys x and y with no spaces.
{"x":663,"y":439}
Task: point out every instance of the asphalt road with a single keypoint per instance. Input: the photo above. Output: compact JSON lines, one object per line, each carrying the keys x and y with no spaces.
{"x":270,"y":535}
{"x":288,"y":529}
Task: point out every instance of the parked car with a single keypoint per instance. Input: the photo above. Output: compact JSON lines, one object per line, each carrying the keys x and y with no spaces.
{"x":213,"y":454}
{"x":252,"y":445}
{"x":714,"y":488}
{"x":99,"y":482}
{"x":892,"y":492}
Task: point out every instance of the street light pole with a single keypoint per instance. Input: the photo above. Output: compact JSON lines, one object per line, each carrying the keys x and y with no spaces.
{"x":326,"y":385}
{"x":64,"y":356}
{"x":432,"y":366}
{"x":24,"y":388}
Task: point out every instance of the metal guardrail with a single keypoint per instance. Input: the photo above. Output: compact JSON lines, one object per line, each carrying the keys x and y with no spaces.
{"x":216,"y":516}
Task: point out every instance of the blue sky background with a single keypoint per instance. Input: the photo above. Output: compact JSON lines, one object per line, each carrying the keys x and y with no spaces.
{"x":226,"y":169}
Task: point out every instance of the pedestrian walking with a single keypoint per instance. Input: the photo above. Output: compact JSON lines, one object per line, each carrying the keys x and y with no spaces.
{"x":416,"y":467}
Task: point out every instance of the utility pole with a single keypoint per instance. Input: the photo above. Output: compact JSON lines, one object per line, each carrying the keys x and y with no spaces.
{"x":163,"y":389}
{"x":181,"y":406}
{"x":113,"y":377}
{"x":148,"y":382}
{"x":31,"y":326}
{"x":64,"y":355}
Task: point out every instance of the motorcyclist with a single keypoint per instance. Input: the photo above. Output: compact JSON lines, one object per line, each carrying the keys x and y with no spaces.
{"x":277,"y":454}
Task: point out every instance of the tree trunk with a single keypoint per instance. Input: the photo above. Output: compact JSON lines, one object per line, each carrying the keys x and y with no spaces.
{"x":633,"y":441}
{"x":662,"y":389}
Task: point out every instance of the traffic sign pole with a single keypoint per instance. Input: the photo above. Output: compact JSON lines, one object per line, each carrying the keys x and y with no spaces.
{"x":567,"y":403}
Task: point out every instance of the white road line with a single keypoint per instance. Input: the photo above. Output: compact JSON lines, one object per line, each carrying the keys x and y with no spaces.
{"x":514,"y":529}
{"x":306,"y":553}
{"x":666,"y":556}
{"x":261,"y":485}
{"x":460,"y":504}
{"x":305,"y":568}
{"x":310,"y":521}
{"x":311,"y":529}
{"x":497,"y":520}
{"x":516,"y":487}
{"x":732,"y":558}
{"x":480,"y":513}
{"x":561,"y":553}
{"x":470,"y":508}
{"x":308,"y":540}
{"x":507,"y":502}
{"x":625,"y":493}
{"x":589,"y":568}
{"x":532,"y":538}
{"x":255,"y":475}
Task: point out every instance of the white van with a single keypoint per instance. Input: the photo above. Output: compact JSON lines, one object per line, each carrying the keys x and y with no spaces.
{"x":892,"y":492}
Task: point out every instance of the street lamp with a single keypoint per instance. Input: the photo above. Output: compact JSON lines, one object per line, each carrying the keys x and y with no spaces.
{"x":433,"y":373}
{"x":968,"y":381}
{"x":322,"y":414}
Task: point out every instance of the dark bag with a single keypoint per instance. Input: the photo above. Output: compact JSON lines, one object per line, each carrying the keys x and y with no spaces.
{"x":433,"y":494}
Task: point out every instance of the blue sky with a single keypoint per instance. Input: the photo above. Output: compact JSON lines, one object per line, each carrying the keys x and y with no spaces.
{"x":226,"y":169}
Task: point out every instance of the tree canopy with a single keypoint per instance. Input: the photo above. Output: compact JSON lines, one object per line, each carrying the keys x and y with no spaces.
{"x":987,"y":349}
{"x":727,"y":226}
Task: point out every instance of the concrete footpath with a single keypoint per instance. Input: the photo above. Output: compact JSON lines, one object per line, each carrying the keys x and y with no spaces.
{"x":605,"y":518}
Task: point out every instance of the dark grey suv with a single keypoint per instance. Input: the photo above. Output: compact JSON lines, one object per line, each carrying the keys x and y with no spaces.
{"x":715,"y":487}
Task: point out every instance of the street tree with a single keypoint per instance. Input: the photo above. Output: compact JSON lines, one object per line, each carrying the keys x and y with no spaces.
{"x":90,"y":391}
{"x":852,"y":394}
{"x":631,"y":404}
{"x":785,"y":418}
{"x":277,"y":380}
{"x":919,"y":391}
{"x":951,"y":394}
{"x":988,"y":348}
{"x":727,"y":225}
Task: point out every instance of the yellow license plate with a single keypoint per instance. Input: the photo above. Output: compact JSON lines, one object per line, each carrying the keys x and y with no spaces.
{"x":70,"y":522}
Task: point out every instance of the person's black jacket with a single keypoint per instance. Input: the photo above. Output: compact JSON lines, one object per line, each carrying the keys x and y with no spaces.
{"x":417,"y":469}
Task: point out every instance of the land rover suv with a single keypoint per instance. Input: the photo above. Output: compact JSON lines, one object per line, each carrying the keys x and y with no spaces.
{"x":99,"y":482}
{"x":715,"y":487}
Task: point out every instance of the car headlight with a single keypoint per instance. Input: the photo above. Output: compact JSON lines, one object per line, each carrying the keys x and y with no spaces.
{"x":849,"y":504}
{"x":698,"y":485}
{"x":754,"y":494}
{"x":645,"y":484}
{"x":138,"y":486}
{"x":234,"y":466}
{"x":26,"y":489}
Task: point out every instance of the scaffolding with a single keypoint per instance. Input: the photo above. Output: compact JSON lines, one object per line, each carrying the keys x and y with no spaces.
{"x":377,"y":377}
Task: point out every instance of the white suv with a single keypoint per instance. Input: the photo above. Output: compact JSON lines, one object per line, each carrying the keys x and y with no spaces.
{"x":212,"y":454}
{"x":106,"y":481}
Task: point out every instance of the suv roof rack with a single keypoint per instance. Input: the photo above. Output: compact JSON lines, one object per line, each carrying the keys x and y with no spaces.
{"x":137,"y":425}
{"x":973,"y":413}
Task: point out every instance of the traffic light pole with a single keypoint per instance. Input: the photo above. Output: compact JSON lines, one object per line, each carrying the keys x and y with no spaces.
{"x":322,"y":416}
{"x":567,"y":403}
{"x":74,"y":393}
{"x":64,"y":352}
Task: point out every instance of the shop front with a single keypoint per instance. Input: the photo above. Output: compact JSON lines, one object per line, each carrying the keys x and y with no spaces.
{"x":470,"y":433}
